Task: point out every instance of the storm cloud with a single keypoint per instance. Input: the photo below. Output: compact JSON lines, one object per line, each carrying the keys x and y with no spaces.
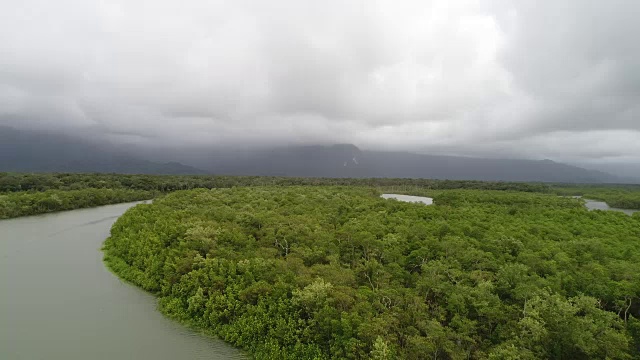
{"x":532,"y":79}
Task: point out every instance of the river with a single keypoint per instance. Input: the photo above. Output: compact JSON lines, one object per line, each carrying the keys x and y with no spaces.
{"x":409,"y":198}
{"x":58,"y":301}
{"x":601,"y":205}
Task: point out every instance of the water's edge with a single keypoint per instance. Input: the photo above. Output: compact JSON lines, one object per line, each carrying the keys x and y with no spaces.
{"x":60,"y":300}
{"x":189,"y":325}
{"x":192,"y":327}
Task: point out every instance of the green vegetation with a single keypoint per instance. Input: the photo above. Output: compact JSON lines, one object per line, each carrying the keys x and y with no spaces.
{"x":336,"y":272}
{"x":621,"y":196}
{"x":15,"y":182}
{"x":313,"y":268}
{"x":30,"y":203}
{"x":29,"y":194}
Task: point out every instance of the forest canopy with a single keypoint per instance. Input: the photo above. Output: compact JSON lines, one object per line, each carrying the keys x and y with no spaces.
{"x":323,"y":272}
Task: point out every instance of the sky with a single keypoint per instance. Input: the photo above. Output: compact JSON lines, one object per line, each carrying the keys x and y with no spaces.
{"x":530,"y":79}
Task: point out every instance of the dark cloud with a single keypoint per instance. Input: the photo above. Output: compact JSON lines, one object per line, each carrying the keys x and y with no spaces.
{"x":577,"y":62}
{"x":535,"y":79}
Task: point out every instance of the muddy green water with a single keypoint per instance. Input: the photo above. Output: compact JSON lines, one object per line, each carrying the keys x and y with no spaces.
{"x":58,"y":301}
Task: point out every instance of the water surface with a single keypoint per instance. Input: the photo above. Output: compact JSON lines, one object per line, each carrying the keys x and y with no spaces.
{"x":601,"y":205}
{"x":58,"y":301}
{"x":409,"y":198}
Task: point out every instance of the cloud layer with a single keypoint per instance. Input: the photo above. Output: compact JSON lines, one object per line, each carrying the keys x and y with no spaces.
{"x":537,"y":79}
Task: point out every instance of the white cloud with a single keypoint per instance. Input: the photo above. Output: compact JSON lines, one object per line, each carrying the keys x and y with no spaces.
{"x":527,"y":78}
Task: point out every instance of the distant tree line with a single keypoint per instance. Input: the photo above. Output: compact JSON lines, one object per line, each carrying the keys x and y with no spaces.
{"x":150,"y":186}
{"x":14,"y":182}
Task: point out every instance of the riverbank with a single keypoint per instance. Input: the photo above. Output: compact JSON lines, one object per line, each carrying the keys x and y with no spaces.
{"x":25,"y":203}
{"x":325,"y":272}
{"x":59,"y":302}
{"x":616,"y":196}
{"x":36,"y":193}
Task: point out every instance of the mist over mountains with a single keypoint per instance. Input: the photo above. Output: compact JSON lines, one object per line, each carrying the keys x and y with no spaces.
{"x":32,"y":151}
{"x":346,"y":160}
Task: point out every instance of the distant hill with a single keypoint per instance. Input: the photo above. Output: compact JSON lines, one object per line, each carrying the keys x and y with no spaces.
{"x":32,"y":151}
{"x":347,"y":160}
{"x":341,"y":160}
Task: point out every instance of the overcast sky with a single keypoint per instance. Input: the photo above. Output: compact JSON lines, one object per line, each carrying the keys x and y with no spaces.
{"x":534,"y":79}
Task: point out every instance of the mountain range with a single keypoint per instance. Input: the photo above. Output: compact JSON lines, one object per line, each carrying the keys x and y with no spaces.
{"x":346,"y":160}
{"x":32,"y":151}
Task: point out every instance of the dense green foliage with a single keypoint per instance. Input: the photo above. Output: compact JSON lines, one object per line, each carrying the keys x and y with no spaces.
{"x":336,"y":272}
{"x":31,"y":203}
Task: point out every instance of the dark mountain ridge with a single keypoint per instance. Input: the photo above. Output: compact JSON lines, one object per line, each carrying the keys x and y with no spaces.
{"x":32,"y":151}
{"x":347,"y":160}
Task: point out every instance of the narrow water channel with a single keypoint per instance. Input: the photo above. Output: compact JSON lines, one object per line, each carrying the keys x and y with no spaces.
{"x":409,"y":198}
{"x":58,"y":301}
{"x":601,"y":205}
